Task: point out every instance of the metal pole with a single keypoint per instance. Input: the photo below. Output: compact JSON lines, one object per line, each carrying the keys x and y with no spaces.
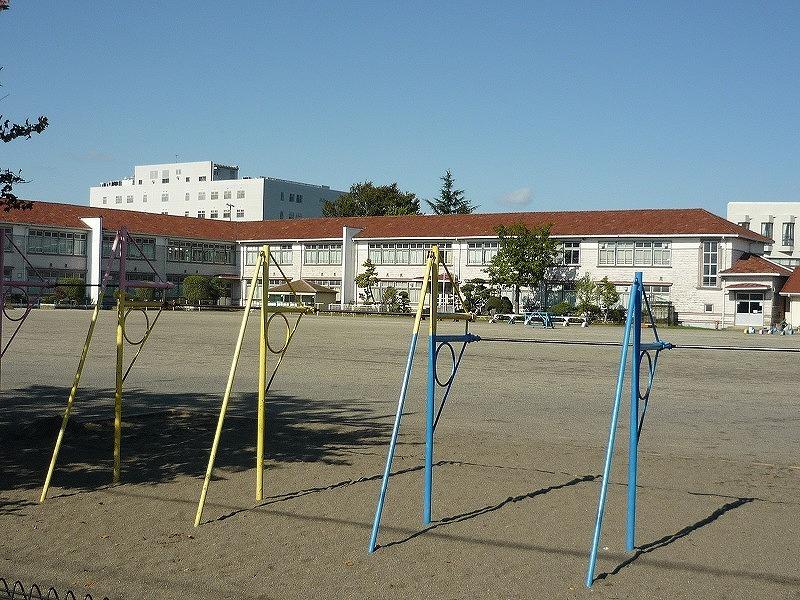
{"x":123,"y":279}
{"x":71,"y":399}
{"x":262,"y":375}
{"x":601,"y":505}
{"x":228,"y":388}
{"x":431,"y":399}
{"x":373,"y":540}
{"x":2,"y":291}
{"x":633,"y":435}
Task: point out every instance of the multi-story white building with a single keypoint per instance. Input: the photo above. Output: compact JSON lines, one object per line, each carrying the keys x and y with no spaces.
{"x":775,"y":220}
{"x":712,"y":271}
{"x":209,"y":190}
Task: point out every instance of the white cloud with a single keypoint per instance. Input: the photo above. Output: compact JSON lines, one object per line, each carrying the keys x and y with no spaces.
{"x":518,"y":198}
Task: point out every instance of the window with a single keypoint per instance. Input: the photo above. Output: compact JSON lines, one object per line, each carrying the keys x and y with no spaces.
{"x":750,"y":304}
{"x":215,"y":195}
{"x":144,"y":197}
{"x":186,"y":213}
{"x":282,"y":254}
{"x":291,"y":197}
{"x":745,"y":224}
{"x":657,"y":293}
{"x":239,"y":213}
{"x":226,"y":195}
{"x":481,"y":253}
{"x":710,"y":249}
{"x":177,"y":171}
{"x":146,"y":249}
{"x":201,"y":196}
{"x":140,"y":182}
{"x":129,"y":199}
{"x":291,"y":214}
{"x":787,"y":239}
{"x":105,"y":199}
{"x":165,"y":180}
{"x":323,"y":254}
{"x":570,"y":253}
{"x":164,"y":212}
{"x":164,"y":196}
{"x":201,"y":178}
{"x":187,"y":196}
{"x":299,"y":197}
{"x":154,"y":175}
{"x":201,"y":214}
{"x":118,"y":199}
{"x":63,"y":243}
{"x":239,"y":194}
{"x":200,"y":252}
{"x":214,"y":214}
{"x":281,"y":215}
{"x":407,"y":253}
{"x":640,"y":254}
{"x":226,"y":214}
{"x":251,"y":255}
{"x":282,"y":197}
{"x":298,"y":215}
{"x":165,"y":174}
{"x":766,"y":229}
{"x":708,"y":308}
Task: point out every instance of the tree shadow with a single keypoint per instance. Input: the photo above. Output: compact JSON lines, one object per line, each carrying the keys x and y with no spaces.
{"x":669,"y":539}
{"x":167,"y":435}
{"x":490,"y":508}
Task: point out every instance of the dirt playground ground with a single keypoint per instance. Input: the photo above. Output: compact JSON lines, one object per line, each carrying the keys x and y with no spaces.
{"x":519,"y":453}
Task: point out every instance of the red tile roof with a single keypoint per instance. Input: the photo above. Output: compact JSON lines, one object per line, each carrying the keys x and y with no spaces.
{"x":752,"y":264}
{"x":792,"y":285}
{"x":612,"y":223}
{"x":747,"y":286}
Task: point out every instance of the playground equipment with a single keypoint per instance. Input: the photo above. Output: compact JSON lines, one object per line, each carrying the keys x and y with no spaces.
{"x":436,"y":341}
{"x":261,"y":270}
{"x":123,"y":241}
{"x":30,"y":289}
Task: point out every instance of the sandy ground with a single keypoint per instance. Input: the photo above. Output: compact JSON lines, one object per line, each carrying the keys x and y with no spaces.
{"x":519,"y":450}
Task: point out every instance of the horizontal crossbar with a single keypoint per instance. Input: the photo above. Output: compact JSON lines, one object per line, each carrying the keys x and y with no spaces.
{"x":644,"y":346}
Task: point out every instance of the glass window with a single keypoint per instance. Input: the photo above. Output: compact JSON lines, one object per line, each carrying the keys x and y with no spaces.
{"x":164,"y":196}
{"x":105,"y":199}
{"x":710,"y":249}
{"x":323,"y":254}
{"x":299,"y":197}
{"x":239,"y":194}
{"x":240,"y":213}
{"x":226,"y":195}
{"x":282,"y":254}
{"x":662,"y":254}
{"x":788,"y":234}
{"x":118,"y":199}
{"x":766,"y":229}
{"x":215,"y":195}
{"x":201,"y":214}
{"x":201,"y":196}
{"x":187,"y":196}
{"x":153,"y":175}
{"x":606,"y":253}
{"x":226,"y":214}
{"x":625,"y":253}
{"x":214,"y":214}
{"x":144,"y":197}
{"x":571,"y":253}
{"x":481,"y":253}
{"x":201,"y":178}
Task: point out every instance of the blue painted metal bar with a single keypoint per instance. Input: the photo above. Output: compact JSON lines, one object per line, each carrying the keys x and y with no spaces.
{"x":393,"y":443}
{"x":601,"y":505}
{"x":656,"y":346}
{"x":430,"y":404}
{"x":633,"y":433}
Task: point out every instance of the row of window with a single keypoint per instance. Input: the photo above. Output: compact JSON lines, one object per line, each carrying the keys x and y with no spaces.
{"x":414,"y":253}
{"x":292,"y":197}
{"x":226,"y":195}
{"x":214,"y":214}
{"x":482,"y":253}
{"x":767,"y":230}
{"x":63,"y":243}
{"x":139,"y":248}
{"x":639,"y":254}
{"x":200,"y":252}
{"x":323,"y":254}
{"x":280,"y":254}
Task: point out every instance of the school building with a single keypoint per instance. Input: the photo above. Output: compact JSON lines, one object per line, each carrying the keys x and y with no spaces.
{"x":711,"y":270}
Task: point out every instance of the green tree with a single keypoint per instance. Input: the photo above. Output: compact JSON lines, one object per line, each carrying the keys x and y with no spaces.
{"x":450,"y":201}
{"x":607,"y":296}
{"x":8,"y":132}
{"x":368,"y":280}
{"x":368,"y":200}
{"x":524,"y":257}
{"x":403,"y":301}
{"x":476,"y":294}
{"x":72,"y":289}
{"x":391,"y":299}
{"x":198,"y":288}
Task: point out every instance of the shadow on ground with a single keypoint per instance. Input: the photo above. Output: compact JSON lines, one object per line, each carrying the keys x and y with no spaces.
{"x":168,"y":435}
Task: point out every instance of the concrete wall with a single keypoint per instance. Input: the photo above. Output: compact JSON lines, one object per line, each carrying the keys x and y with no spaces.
{"x":754,"y":214}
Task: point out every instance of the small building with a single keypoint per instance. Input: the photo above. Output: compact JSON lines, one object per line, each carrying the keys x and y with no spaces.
{"x":308,"y":293}
{"x":752,"y":290}
{"x":774,"y":220}
{"x":791,"y":293}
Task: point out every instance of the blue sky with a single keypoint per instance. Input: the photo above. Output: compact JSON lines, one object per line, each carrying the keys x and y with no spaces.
{"x":533,"y":106}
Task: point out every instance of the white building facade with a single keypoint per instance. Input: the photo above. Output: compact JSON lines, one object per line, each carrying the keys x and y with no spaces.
{"x":209,"y":190}
{"x":775,"y":220}
{"x":711,"y":271}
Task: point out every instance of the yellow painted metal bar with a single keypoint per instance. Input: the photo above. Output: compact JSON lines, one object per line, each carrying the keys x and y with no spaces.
{"x":118,"y":387}
{"x":141,"y":345}
{"x":289,"y":309}
{"x":434,"y":290}
{"x":422,"y":295}
{"x":228,"y":388}
{"x":71,"y":399}
{"x":262,"y":376}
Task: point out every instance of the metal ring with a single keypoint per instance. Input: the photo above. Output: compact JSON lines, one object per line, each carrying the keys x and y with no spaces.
{"x":650,"y":375}
{"x":288,"y":333}
{"x":28,"y":304}
{"x":436,"y":362}
{"x":125,"y":319}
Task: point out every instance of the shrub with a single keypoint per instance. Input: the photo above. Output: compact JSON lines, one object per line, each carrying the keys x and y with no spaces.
{"x":71,"y":289}
{"x":562,"y":308}
{"x":197,"y":288}
{"x":499,"y":304}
